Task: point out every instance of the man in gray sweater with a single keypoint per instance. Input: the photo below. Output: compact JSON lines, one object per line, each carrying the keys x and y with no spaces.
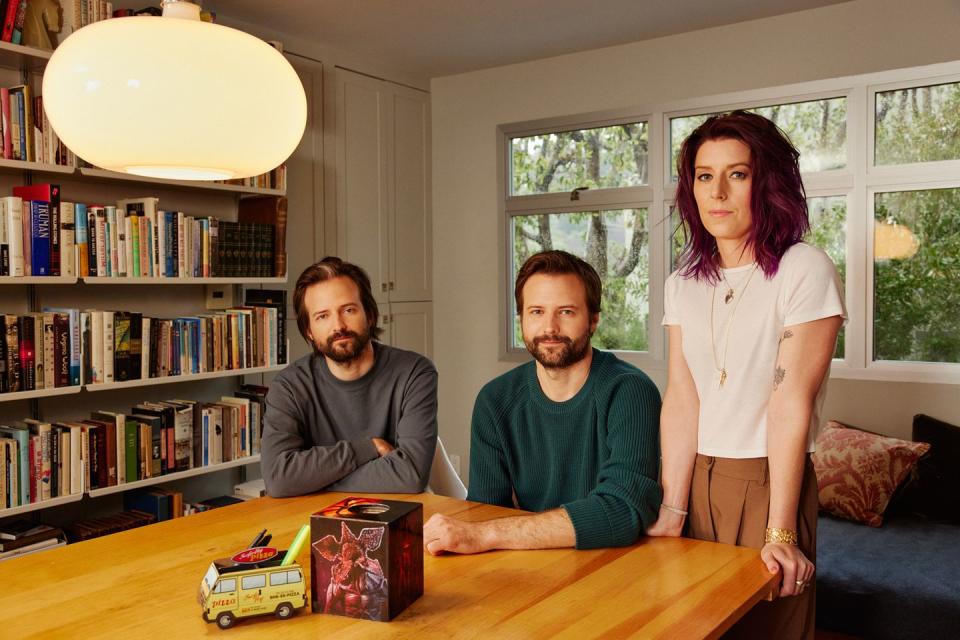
{"x":355,"y":415}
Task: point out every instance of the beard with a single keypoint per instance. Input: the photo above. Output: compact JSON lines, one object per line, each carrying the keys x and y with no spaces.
{"x":345,"y":351}
{"x":559,"y":356}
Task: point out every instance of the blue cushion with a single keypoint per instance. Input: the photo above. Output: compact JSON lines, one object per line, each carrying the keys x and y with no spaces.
{"x":901,"y":580}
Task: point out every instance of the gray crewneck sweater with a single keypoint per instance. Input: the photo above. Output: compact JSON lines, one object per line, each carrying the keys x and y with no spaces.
{"x":317,"y":429}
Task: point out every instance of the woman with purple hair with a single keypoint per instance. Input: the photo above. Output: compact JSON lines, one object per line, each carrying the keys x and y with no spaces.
{"x":752,"y":315}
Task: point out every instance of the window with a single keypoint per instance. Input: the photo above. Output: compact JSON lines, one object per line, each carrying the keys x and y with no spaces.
{"x":293,"y":576}
{"x":880,"y":158}
{"x":598,"y":158}
{"x":606,"y":224}
{"x":278,"y":578}
{"x":615,"y":243}
{"x":817,"y":129}
{"x":254,"y":582}
{"x":918,"y":124}
{"x":916,"y":275}
{"x":226,"y":585}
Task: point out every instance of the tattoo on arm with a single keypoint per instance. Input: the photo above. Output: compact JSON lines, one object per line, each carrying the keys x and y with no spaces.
{"x":786,"y":334}
{"x":778,"y":377}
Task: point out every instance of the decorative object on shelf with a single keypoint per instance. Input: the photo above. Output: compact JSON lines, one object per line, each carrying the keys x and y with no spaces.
{"x":367,"y":558}
{"x":278,"y":580}
{"x":120,"y":104}
{"x":41,"y":21}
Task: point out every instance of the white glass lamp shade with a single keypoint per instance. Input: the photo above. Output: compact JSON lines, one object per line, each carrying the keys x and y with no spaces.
{"x":174,"y":98}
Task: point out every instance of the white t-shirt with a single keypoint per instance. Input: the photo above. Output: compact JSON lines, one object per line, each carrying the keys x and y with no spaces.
{"x":733,"y":419}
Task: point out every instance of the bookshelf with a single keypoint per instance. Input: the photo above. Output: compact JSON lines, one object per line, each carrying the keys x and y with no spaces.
{"x":208,"y":375}
{"x":37,"y":280}
{"x":178,"y":475}
{"x":40,"y":393}
{"x":111,"y":280}
{"x":37,"y":506}
{"x":90,"y":185}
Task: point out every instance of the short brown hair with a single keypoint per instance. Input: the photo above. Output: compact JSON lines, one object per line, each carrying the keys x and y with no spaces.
{"x":558,"y":263}
{"x":327,"y":269}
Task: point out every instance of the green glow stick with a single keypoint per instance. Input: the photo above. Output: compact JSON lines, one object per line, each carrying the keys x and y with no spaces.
{"x":295,"y":546}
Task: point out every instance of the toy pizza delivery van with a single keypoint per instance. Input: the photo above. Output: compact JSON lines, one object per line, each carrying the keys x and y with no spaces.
{"x":251,"y":583}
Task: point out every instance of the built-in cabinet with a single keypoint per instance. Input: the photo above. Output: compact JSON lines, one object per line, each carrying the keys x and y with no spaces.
{"x":383,"y":206}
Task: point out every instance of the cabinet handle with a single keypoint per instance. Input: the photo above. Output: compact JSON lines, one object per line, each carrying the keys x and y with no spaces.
{"x":383,"y":287}
{"x":391,"y":285}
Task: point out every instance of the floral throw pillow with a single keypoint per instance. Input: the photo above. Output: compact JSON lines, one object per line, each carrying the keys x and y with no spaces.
{"x":858,"y":472}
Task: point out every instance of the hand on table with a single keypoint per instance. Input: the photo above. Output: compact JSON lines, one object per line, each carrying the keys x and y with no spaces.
{"x":668,"y":524}
{"x":443,"y":533}
{"x":787,"y":559}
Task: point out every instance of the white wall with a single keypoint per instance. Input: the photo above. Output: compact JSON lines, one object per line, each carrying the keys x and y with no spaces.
{"x":852,"y":38}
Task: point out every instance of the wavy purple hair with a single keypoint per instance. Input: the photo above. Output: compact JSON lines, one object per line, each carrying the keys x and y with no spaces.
{"x":778,"y":203}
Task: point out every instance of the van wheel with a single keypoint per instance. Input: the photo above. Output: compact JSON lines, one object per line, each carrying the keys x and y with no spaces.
{"x":225,"y":620}
{"x":284,"y":610}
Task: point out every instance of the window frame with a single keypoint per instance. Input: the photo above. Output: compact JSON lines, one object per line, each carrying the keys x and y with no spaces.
{"x":858,"y":181}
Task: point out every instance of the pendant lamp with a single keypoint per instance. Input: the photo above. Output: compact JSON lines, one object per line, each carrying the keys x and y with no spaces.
{"x":174,"y":97}
{"x":892,"y":241}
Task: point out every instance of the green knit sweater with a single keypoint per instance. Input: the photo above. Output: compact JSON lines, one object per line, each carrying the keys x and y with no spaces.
{"x":596,"y":454}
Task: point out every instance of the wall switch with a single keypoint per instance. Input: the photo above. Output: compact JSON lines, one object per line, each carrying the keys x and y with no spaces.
{"x":219,"y":296}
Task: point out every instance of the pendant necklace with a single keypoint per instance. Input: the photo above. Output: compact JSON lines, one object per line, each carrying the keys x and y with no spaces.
{"x":721,"y":366}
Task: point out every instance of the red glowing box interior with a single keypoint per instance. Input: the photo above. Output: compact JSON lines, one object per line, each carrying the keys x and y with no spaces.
{"x":366,"y":557}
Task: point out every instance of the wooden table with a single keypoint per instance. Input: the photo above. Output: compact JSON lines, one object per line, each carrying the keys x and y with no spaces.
{"x":143,"y":583}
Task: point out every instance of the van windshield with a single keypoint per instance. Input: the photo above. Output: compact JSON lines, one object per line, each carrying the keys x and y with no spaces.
{"x":211,"y":577}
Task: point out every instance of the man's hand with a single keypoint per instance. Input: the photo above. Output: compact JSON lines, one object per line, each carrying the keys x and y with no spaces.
{"x":788,"y":560}
{"x":668,"y":524}
{"x":442,"y":533}
{"x":383,"y":447}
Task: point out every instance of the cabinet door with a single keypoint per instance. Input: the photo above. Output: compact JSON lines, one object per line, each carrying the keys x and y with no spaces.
{"x":411,"y":326}
{"x":362,"y":197}
{"x":411,"y":256}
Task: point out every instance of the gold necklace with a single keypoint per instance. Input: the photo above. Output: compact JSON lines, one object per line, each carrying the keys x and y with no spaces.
{"x":721,"y":367}
{"x":729,"y":295}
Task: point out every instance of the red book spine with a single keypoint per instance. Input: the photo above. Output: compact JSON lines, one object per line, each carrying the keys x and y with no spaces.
{"x":10,"y":20}
{"x":5,"y":112}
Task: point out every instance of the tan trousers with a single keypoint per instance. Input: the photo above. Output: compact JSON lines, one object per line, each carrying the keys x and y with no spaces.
{"x":729,"y":503}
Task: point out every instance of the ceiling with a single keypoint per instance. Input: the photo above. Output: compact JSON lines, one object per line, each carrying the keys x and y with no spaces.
{"x":444,"y":37}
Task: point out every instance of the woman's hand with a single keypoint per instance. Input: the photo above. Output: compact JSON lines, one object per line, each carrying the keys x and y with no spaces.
{"x":787,"y":559}
{"x":669,"y":524}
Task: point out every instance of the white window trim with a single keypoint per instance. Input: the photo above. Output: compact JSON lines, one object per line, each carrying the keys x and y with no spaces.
{"x":858,"y":182}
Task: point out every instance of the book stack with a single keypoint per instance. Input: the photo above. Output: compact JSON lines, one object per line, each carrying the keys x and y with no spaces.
{"x":39,"y":350}
{"x":96,"y":527}
{"x":20,"y":537}
{"x":161,"y":503}
{"x":118,"y":346}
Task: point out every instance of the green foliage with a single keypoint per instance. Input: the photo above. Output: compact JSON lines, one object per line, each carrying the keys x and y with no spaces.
{"x":818,"y":129}
{"x":607,"y":157}
{"x":828,"y":221}
{"x":918,"y":124}
{"x":615,"y":244}
{"x":916,"y":298}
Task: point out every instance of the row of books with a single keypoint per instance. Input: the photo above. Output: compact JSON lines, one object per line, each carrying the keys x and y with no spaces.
{"x":13,"y":13}
{"x":68,"y":347}
{"x":41,"y":460}
{"x":118,"y":346}
{"x":25,"y":130}
{"x":273,"y":179}
{"x":39,"y":350}
{"x":135,"y":239}
{"x":41,"y":235}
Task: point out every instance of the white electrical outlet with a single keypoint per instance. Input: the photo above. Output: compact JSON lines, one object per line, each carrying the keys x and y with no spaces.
{"x":455,"y":461}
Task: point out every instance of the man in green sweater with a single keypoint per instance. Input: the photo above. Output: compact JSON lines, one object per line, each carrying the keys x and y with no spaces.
{"x":572,"y":436}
